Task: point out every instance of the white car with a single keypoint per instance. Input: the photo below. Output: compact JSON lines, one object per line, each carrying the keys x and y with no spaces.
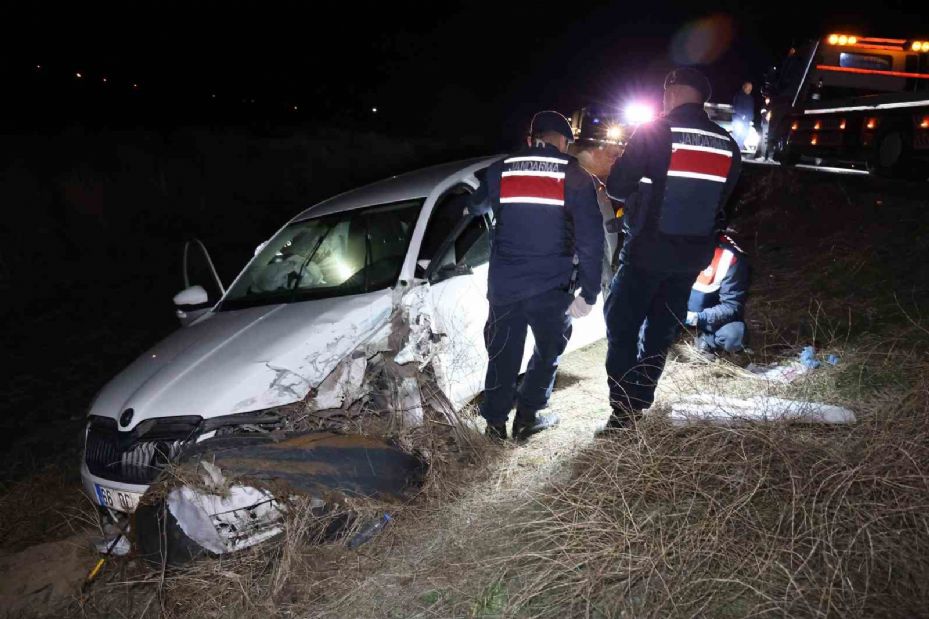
{"x":391,"y":275}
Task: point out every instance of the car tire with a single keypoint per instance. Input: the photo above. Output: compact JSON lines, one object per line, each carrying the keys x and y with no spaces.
{"x":788,"y":158}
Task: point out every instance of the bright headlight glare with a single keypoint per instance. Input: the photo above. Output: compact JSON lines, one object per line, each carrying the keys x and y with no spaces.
{"x":638,"y":113}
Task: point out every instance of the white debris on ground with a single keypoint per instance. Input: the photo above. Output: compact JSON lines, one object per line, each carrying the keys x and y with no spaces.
{"x":779,"y":373}
{"x":105,"y":545}
{"x":224,"y":519}
{"x":723,"y":410}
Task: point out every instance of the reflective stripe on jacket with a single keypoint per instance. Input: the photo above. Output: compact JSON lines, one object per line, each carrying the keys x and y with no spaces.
{"x":718,"y":295}
{"x":545,"y":212}
{"x":673,"y":179}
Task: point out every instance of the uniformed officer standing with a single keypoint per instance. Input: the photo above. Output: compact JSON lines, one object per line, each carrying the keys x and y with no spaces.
{"x":547,"y":241}
{"x":673,"y":179}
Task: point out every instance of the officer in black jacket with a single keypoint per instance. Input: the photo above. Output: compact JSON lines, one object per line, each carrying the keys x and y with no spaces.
{"x":673,"y":179}
{"x":545,"y":262}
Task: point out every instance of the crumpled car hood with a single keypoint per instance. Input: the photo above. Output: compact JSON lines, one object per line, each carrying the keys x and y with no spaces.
{"x":244,"y":360}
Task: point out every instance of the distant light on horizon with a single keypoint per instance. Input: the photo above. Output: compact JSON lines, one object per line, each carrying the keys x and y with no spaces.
{"x":78,"y":75}
{"x":374,"y":110}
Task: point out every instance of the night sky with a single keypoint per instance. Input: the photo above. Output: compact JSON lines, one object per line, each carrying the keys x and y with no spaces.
{"x":428,"y":68}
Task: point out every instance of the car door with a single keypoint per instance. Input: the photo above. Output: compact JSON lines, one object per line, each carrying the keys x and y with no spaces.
{"x":454,"y":259}
{"x":451,"y":254}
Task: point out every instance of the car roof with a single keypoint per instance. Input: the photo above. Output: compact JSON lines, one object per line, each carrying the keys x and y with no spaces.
{"x":408,"y":186}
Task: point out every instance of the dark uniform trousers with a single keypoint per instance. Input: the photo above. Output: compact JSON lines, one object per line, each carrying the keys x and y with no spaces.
{"x":644,"y":314}
{"x":505,"y":336}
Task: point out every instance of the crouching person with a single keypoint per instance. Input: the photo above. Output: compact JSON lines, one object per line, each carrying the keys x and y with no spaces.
{"x":546,"y":221}
{"x":717,"y":300}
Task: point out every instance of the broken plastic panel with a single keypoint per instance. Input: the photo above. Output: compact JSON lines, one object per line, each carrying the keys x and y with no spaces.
{"x":721,"y":410}
{"x":245,"y":483}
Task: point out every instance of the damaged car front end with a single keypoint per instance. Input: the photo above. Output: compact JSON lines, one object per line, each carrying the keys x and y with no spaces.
{"x":362,"y":316}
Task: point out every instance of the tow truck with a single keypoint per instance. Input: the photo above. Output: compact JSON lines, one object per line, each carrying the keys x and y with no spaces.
{"x":855,"y":100}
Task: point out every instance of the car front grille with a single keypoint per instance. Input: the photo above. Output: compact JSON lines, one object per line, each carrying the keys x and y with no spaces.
{"x":139,"y":456}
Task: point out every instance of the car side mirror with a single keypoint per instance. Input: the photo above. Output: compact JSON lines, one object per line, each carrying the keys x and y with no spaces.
{"x":449,"y":271}
{"x":191,"y":303}
{"x":195,"y":295}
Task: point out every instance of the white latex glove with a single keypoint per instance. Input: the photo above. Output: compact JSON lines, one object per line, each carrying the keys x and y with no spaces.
{"x":579,"y":308}
{"x":691,"y":319}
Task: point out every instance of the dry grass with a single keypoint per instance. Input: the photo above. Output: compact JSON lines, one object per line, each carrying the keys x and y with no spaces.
{"x":756,"y":520}
{"x":42,"y":507}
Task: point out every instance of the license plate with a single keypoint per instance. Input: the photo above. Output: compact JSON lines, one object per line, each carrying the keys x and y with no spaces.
{"x":117,"y":499}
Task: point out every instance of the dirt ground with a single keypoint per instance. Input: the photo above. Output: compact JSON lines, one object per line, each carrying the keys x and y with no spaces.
{"x":45,"y":579}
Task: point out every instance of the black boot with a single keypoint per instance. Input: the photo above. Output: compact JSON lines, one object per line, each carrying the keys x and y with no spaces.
{"x":525,"y":424}
{"x":620,"y":419}
{"x":496,"y":431}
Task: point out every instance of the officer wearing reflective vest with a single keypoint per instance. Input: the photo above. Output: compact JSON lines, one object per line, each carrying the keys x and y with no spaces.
{"x":546,"y":256}
{"x":717,"y":299}
{"x":672,"y":181}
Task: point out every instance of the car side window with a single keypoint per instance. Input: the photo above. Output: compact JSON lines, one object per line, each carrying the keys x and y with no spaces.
{"x":447,"y":214}
{"x":472,"y":247}
{"x":467,"y":248}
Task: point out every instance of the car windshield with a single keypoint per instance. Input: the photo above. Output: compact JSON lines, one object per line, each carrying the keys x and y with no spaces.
{"x":334,"y":255}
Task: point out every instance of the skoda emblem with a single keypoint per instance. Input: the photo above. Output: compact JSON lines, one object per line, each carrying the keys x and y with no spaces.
{"x":126,"y":418}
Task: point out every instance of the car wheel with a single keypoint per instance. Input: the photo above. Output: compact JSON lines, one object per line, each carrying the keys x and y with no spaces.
{"x":889,"y":157}
{"x":788,"y":158}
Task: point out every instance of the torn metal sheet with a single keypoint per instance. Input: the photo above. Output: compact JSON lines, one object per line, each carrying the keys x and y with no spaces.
{"x":410,"y":402}
{"x":421,"y":338}
{"x":240,"y":518}
{"x":343,"y":386}
{"x":721,"y":410}
{"x":251,"y":359}
{"x":385,"y":375}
